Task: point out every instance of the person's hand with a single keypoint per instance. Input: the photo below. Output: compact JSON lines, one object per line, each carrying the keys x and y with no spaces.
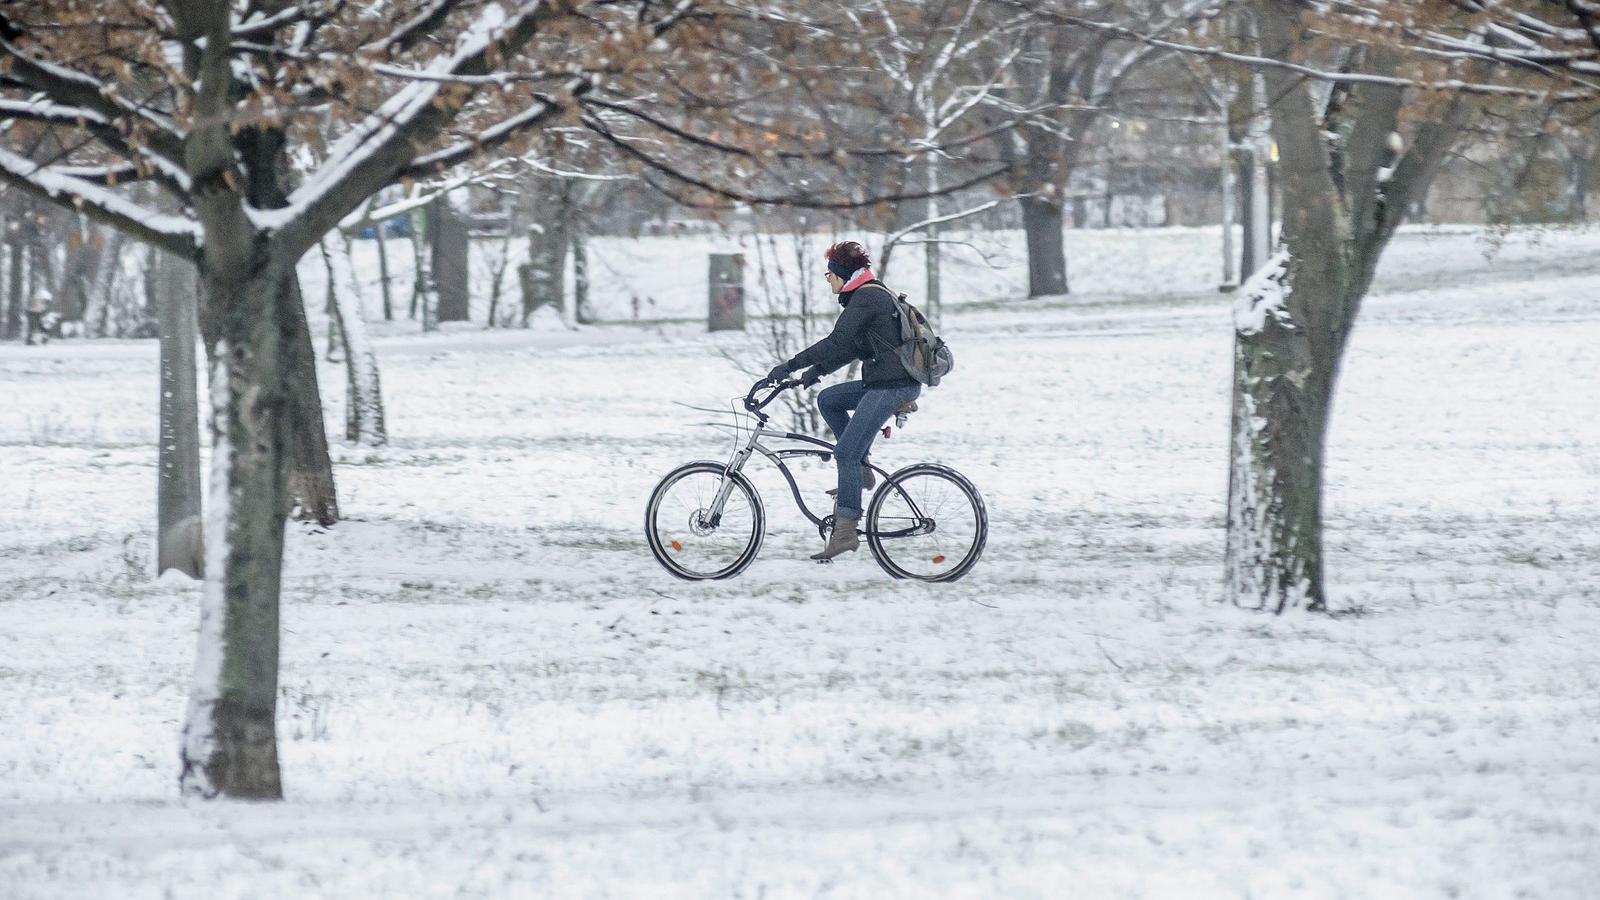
{"x":811,"y":377}
{"x":778,"y":373}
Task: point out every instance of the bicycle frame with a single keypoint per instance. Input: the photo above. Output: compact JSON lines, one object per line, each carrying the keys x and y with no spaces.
{"x":754,"y":446}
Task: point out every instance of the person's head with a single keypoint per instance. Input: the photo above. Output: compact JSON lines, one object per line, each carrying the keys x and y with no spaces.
{"x":845,"y":259}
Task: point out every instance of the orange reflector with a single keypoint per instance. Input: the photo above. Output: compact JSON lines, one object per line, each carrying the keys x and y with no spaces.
{"x":938,"y":559}
{"x":679,"y":547}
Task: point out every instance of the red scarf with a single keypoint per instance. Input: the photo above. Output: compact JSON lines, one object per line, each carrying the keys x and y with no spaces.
{"x":862,"y":276}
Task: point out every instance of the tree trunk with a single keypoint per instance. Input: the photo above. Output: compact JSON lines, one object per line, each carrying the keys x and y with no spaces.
{"x":98,"y":308}
{"x":542,"y":275}
{"x":933,"y":296}
{"x":419,"y":265}
{"x":426,"y":290}
{"x":383,"y":273}
{"x":179,"y":543}
{"x":1280,"y":416}
{"x":448,"y":236}
{"x":580,"y":277}
{"x":229,"y":736}
{"x":1047,"y":258}
{"x":1226,"y":178}
{"x":310,"y":477}
{"x":14,"y":289}
{"x":364,"y":421}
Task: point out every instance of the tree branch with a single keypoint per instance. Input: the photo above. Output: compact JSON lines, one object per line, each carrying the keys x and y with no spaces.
{"x":174,"y":234}
{"x":373,"y":153}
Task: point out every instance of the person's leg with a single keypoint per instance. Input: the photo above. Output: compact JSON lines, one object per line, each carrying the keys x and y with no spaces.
{"x":836,"y":402}
{"x":874,"y":408}
{"x":33,"y":325}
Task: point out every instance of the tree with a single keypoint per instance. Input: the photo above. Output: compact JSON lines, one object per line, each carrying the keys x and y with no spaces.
{"x":222,"y":155}
{"x":269,"y":124}
{"x":1067,"y":80}
{"x":1396,"y":84}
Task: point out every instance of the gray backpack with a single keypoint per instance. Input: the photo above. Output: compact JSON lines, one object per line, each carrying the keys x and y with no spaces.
{"x":924,"y":355}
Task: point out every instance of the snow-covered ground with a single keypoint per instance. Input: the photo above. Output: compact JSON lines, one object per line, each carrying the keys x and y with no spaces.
{"x":491,"y":689}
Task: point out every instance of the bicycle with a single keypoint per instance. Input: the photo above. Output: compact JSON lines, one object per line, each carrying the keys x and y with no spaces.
{"x":705,"y":520}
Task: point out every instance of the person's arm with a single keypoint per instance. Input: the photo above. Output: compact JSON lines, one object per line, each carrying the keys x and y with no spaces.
{"x":838,"y":348}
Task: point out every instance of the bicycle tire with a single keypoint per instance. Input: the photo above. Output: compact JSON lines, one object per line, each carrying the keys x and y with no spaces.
{"x":881,"y":527}
{"x":680,"y":536}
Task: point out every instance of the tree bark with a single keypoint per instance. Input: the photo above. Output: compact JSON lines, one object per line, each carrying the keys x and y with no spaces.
{"x":1042,"y":220}
{"x":229,"y":737}
{"x":310,"y":477}
{"x":179,"y":535}
{"x":364,"y":419}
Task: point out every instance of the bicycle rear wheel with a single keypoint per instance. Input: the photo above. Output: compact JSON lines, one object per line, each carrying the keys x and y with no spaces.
{"x":684,"y":535}
{"x":927,"y":522}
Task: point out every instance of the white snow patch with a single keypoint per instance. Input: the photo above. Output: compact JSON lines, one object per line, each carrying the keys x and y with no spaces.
{"x":1262,"y":296}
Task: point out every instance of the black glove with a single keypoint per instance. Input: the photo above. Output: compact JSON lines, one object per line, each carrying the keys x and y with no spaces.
{"x":778,"y":373}
{"x":812,"y":376}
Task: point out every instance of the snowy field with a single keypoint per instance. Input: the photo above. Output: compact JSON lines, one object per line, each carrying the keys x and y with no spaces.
{"x":490,"y":689}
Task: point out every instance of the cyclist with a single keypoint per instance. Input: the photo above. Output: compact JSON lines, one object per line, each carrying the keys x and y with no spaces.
{"x":867,"y":326}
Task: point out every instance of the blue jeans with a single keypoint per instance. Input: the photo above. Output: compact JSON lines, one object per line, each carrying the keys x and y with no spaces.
{"x":854,"y":434}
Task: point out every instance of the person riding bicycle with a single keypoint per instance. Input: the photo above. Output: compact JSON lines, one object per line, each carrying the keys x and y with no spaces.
{"x":867,"y":327}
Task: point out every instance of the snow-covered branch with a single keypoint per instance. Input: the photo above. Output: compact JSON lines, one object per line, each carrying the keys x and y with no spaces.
{"x":174,"y":234}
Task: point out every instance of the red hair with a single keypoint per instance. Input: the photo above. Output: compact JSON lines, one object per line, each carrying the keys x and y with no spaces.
{"x":848,"y":255}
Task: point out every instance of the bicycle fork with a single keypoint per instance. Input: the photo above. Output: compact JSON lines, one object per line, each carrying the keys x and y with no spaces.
{"x":735,"y":465}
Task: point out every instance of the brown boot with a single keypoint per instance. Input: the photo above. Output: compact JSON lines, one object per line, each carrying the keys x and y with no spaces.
{"x":843,"y":539}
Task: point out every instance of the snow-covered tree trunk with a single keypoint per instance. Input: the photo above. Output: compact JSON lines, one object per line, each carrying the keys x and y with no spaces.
{"x":1280,"y":417}
{"x":1346,"y":185}
{"x":541,"y":276}
{"x":229,"y":738}
{"x":426,"y":291}
{"x":179,"y":541}
{"x":364,"y":420}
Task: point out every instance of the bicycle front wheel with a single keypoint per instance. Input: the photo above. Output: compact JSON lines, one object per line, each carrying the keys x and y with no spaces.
{"x":927,"y":522}
{"x":690,"y":536}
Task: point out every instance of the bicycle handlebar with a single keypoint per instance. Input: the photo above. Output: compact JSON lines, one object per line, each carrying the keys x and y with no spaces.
{"x":778,"y":388}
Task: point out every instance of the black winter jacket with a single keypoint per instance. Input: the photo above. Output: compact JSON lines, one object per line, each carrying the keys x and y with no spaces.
{"x":868,"y":330}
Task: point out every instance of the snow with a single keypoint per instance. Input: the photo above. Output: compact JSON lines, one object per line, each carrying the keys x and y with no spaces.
{"x":491,"y":689}
{"x":1262,"y":296}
